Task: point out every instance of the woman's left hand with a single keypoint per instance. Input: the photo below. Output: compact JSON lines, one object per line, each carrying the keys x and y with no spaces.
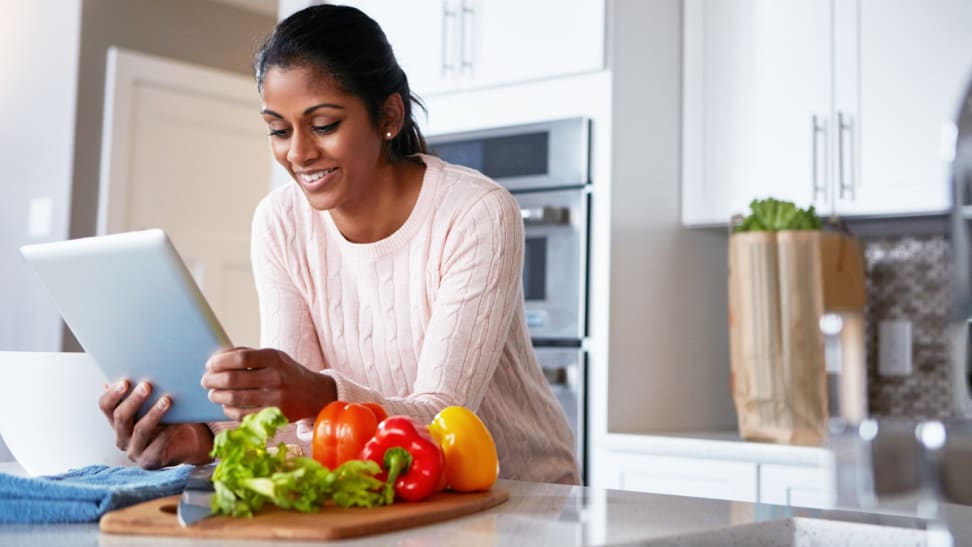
{"x":245,"y":380}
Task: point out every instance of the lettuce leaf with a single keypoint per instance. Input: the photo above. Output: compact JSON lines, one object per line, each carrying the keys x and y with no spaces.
{"x":249,"y":474}
{"x":772,"y":215}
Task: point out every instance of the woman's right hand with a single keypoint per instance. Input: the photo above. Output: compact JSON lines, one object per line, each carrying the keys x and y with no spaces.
{"x":147,"y":441}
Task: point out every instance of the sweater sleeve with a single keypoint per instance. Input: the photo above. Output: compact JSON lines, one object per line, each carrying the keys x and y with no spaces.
{"x":472,"y":311}
{"x":285,"y":318}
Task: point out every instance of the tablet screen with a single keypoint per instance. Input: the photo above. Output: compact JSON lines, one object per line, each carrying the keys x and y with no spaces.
{"x":134,"y":307}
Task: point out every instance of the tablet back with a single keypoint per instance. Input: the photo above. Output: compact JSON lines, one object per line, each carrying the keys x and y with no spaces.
{"x":132,"y":304}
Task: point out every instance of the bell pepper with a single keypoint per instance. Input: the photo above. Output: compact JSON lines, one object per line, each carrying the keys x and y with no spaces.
{"x":342,"y":429}
{"x":411,"y":460}
{"x":471,"y":463}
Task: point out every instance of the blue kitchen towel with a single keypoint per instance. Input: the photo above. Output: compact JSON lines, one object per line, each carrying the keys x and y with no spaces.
{"x":83,"y":495}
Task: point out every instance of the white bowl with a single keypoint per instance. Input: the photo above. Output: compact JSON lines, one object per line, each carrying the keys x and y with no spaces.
{"x":49,"y":416}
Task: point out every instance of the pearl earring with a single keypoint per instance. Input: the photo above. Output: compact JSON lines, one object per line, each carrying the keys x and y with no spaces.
{"x":388,"y":135}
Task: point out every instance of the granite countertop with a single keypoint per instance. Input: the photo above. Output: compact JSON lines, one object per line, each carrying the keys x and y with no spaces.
{"x":548,"y":514}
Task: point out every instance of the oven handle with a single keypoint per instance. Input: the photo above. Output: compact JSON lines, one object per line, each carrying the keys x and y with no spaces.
{"x":546,"y":215}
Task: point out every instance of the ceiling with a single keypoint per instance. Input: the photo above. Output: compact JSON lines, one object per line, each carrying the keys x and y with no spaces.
{"x":263,"y":7}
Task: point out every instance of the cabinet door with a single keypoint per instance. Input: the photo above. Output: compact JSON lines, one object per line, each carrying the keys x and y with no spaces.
{"x":424,"y":36}
{"x":796,"y":486}
{"x":678,"y":476}
{"x":915,"y":62}
{"x":757,"y":79}
{"x":505,"y":41}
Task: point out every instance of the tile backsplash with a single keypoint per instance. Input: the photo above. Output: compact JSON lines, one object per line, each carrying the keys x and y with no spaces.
{"x":907,"y":279}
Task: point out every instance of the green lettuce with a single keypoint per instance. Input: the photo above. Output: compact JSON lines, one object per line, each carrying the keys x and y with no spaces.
{"x":249,"y":474}
{"x":772,"y":215}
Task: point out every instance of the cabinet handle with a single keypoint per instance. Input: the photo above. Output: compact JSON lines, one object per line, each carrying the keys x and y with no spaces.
{"x":447,"y":15}
{"x":466,"y":36}
{"x":817,"y":128}
{"x":845,"y":175}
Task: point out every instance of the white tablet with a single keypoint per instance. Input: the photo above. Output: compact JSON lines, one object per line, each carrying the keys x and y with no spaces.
{"x":134,"y":307}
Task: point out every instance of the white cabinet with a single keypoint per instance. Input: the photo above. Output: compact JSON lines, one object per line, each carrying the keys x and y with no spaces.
{"x":681,"y":476}
{"x":915,"y":63}
{"x":756,"y":78}
{"x":839,"y":105}
{"x":797,"y":486}
{"x":453,"y":45}
{"x":715,"y":467}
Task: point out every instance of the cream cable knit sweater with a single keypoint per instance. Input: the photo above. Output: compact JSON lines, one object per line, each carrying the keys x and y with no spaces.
{"x":428,"y":317}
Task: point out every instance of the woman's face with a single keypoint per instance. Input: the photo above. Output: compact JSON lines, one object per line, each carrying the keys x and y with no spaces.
{"x":323,"y":136}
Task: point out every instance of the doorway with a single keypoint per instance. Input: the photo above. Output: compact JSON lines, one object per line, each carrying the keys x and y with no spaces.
{"x":184,"y":149}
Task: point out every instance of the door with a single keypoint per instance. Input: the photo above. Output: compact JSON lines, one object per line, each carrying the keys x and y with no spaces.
{"x":757,"y":88}
{"x":427,"y":51}
{"x":184,"y":149}
{"x":566,"y":371}
{"x":912,"y":65}
{"x":514,"y":41}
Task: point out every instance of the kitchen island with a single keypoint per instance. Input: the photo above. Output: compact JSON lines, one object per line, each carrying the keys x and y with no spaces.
{"x":549,"y":514}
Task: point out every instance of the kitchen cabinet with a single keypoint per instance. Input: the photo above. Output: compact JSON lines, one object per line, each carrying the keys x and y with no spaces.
{"x":839,"y":105}
{"x":717,"y":465}
{"x":798,"y":486}
{"x":682,"y":476}
{"x":452,"y":45}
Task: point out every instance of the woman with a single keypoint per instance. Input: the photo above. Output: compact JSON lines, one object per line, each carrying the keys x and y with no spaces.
{"x":383,"y":273}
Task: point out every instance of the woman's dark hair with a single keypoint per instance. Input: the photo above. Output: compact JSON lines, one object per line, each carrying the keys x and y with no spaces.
{"x":350,"y":47}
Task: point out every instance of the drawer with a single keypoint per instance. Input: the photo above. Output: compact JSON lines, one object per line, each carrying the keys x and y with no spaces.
{"x":694,"y":477}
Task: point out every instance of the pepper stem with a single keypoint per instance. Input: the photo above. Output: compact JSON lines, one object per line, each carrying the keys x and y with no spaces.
{"x":397,"y":462}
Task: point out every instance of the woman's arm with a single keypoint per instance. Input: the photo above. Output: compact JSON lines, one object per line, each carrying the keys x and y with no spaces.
{"x":284,"y":372}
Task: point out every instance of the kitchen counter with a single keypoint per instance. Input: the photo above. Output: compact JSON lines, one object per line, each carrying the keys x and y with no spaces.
{"x":537,"y":514}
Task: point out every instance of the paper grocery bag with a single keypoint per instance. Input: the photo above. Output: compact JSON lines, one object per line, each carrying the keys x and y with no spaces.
{"x":780,"y":284}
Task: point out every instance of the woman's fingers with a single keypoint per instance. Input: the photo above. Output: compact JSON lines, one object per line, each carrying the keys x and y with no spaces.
{"x":242,"y":397}
{"x":254,"y":378}
{"x":114,"y":393}
{"x":146,"y":430}
{"x":235,"y":359}
{"x":123,"y":417}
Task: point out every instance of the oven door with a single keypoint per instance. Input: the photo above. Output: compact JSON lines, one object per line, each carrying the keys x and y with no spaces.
{"x":565,"y":371}
{"x":555,"y":263}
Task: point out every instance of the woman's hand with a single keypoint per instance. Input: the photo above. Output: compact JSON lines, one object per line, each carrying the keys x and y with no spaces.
{"x":147,"y":442}
{"x":246,"y":380}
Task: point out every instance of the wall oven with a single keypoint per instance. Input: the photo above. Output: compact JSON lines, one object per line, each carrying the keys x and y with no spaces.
{"x":546,"y":168}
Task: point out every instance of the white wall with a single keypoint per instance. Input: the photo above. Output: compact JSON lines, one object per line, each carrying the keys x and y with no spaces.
{"x":39,"y":46}
{"x":668,"y":349}
{"x":52,"y":58}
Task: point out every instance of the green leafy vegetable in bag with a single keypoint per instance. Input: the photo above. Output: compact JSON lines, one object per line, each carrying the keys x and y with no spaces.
{"x":773,"y":215}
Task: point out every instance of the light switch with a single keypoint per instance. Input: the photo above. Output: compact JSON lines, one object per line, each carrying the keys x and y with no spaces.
{"x":894,"y":348}
{"x":40,"y":216}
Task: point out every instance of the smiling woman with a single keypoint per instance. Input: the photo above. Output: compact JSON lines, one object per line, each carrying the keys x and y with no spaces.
{"x":384,"y":274}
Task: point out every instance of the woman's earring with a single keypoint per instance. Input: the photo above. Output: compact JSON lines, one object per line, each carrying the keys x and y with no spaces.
{"x":388,"y":134}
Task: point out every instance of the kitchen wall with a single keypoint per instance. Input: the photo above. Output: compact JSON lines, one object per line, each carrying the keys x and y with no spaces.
{"x":667,"y":341}
{"x":908,"y":279}
{"x":39,"y":47}
{"x":56,"y":152}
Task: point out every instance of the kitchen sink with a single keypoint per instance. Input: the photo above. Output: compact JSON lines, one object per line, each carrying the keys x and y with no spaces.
{"x":804,"y":532}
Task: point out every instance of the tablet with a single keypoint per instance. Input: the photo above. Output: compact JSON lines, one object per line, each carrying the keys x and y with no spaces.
{"x":134,"y":307}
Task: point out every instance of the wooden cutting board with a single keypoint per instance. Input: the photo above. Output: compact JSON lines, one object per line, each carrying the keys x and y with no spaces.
{"x":158,"y":518}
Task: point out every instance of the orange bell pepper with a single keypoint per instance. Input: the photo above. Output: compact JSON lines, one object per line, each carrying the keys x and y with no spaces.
{"x":342,"y":429}
{"x":471,"y":463}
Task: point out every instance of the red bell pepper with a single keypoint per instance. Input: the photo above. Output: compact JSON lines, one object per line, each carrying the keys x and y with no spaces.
{"x":411,"y":460}
{"x":342,"y":429}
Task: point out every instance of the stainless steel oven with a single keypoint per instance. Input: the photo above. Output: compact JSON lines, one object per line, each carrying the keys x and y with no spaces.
{"x":547,"y":169}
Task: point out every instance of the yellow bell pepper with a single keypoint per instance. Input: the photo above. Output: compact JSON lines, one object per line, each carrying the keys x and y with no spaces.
{"x":471,"y":463}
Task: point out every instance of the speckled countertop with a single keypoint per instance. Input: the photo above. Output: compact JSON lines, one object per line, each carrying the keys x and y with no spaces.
{"x":547,"y":514}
